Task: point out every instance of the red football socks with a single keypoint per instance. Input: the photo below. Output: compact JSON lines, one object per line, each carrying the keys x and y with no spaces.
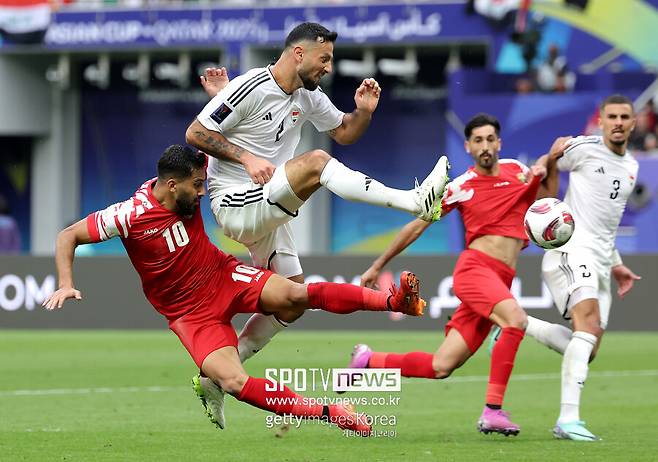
{"x":414,"y":364}
{"x":281,"y":401}
{"x":502,"y":362}
{"x":345,"y":298}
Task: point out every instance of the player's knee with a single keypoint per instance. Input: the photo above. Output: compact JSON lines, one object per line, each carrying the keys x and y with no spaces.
{"x":289,"y":316}
{"x":316,"y":160}
{"x":233,"y":384}
{"x":442,"y":368}
{"x":591,"y":323}
{"x":516,"y":318}
{"x":296,"y":297}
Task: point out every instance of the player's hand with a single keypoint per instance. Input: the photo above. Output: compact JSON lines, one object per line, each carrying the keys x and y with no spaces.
{"x":559,"y":145}
{"x":57,"y":298}
{"x":367,"y":95}
{"x":369,"y":278}
{"x":625,"y":279}
{"x":213,"y":80}
{"x":538,"y":170}
{"x":259,"y":170}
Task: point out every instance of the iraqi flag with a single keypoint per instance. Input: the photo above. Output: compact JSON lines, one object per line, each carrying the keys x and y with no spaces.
{"x":24,"y":21}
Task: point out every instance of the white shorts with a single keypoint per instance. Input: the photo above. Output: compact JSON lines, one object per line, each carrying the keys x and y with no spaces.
{"x":258,"y":217}
{"x":564,"y":272}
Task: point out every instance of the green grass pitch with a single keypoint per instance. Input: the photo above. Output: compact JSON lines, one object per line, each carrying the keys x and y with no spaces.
{"x":124,"y":396}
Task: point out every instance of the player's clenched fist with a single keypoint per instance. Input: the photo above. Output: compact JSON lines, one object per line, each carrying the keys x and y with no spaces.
{"x":260,"y":170}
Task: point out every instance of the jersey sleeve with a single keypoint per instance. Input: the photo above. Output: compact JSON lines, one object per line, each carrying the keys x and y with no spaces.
{"x":113,"y":221}
{"x":454,"y":194}
{"x":575,"y":154}
{"x":227,"y":108}
{"x":325,"y":116}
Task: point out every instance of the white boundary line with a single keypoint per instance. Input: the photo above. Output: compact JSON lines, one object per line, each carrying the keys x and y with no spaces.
{"x":406,"y":381}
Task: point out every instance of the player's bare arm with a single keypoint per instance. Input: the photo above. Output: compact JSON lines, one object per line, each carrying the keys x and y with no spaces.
{"x":355,"y":124}
{"x":67,"y":241}
{"x":213,"y":80}
{"x":215,"y":144}
{"x":407,"y":235}
{"x":546,"y":166}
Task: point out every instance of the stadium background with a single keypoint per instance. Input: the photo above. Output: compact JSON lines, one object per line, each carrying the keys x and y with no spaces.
{"x":92,"y":91}
{"x":92,"y":94}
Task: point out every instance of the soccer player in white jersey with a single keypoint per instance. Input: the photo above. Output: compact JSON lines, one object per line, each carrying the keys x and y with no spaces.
{"x":251,"y":129}
{"x":602,"y":175}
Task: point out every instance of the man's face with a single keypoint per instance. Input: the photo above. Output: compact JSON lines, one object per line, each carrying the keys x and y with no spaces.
{"x":617,"y":122}
{"x":483,"y":145}
{"x":316,"y":61}
{"x":189,"y":191}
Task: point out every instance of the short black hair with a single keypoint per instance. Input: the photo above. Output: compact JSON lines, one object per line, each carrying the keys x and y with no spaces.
{"x":310,"y":31}
{"x":180,"y":161}
{"x":615,"y":99}
{"x":480,"y":120}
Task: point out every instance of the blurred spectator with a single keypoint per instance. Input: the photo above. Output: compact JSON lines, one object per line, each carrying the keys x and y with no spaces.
{"x":645,"y":124}
{"x":524,"y":85}
{"x":10,"y":236}
{"x":650,"y":145}
{"x":553,"y":74}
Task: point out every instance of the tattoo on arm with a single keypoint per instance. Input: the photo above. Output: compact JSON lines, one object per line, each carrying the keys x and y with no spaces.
{"x":219,"y":148}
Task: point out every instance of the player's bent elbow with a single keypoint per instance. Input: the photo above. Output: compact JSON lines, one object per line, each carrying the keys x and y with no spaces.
{"x":189,"y":134}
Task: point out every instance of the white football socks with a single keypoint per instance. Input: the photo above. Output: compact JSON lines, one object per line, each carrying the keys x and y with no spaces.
{"x":574,"y":373}
{"x":256,"y":333}
{"x":356,"y":187}
{"x":554,"y":336}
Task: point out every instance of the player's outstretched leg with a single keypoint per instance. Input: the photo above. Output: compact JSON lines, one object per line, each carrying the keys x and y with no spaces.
{"x":348,"y":298}
{"x":212,"y":399}
{"x":282,"y":295}
{"x":224,"y":368}
{"x":424,"y":201}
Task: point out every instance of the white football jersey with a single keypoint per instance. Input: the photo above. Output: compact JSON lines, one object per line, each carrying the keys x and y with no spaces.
{"x":253,"y":112}
{"x":600,"y":183}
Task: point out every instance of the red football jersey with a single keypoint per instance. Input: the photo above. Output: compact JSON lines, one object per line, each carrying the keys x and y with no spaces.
{"x":493,"y":205}
{"x":172,"y":254}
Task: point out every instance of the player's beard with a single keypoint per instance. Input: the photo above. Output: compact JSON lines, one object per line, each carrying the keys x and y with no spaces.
{"x":186,"y":207}
{"x":618,"y":142}
{"x":487,"y":163}
{"x":309,"y":82}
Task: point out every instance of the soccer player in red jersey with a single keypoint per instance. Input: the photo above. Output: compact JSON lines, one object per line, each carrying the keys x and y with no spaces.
{"x":198,"y":288}
{"x":492,"y":197}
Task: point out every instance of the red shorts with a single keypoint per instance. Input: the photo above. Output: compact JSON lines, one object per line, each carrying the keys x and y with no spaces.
{"x":206,"y":328}
{"x":480,"y":282}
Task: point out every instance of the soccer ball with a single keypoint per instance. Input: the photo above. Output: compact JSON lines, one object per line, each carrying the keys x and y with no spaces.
{"x":549,"y":223}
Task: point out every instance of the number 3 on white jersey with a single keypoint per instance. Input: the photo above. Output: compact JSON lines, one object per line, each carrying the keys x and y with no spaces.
{"x":179,"y":235}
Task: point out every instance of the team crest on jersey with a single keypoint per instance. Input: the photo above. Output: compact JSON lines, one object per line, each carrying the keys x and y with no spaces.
{"x":294,"y":115}
{"x":522,"y":178}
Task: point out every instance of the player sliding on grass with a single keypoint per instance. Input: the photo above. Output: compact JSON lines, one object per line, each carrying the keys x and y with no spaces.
{"x":492,"y":197}
{"x":199,"y":289}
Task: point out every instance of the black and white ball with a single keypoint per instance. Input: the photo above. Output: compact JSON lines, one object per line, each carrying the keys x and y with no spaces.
{"x":549,"y":223}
